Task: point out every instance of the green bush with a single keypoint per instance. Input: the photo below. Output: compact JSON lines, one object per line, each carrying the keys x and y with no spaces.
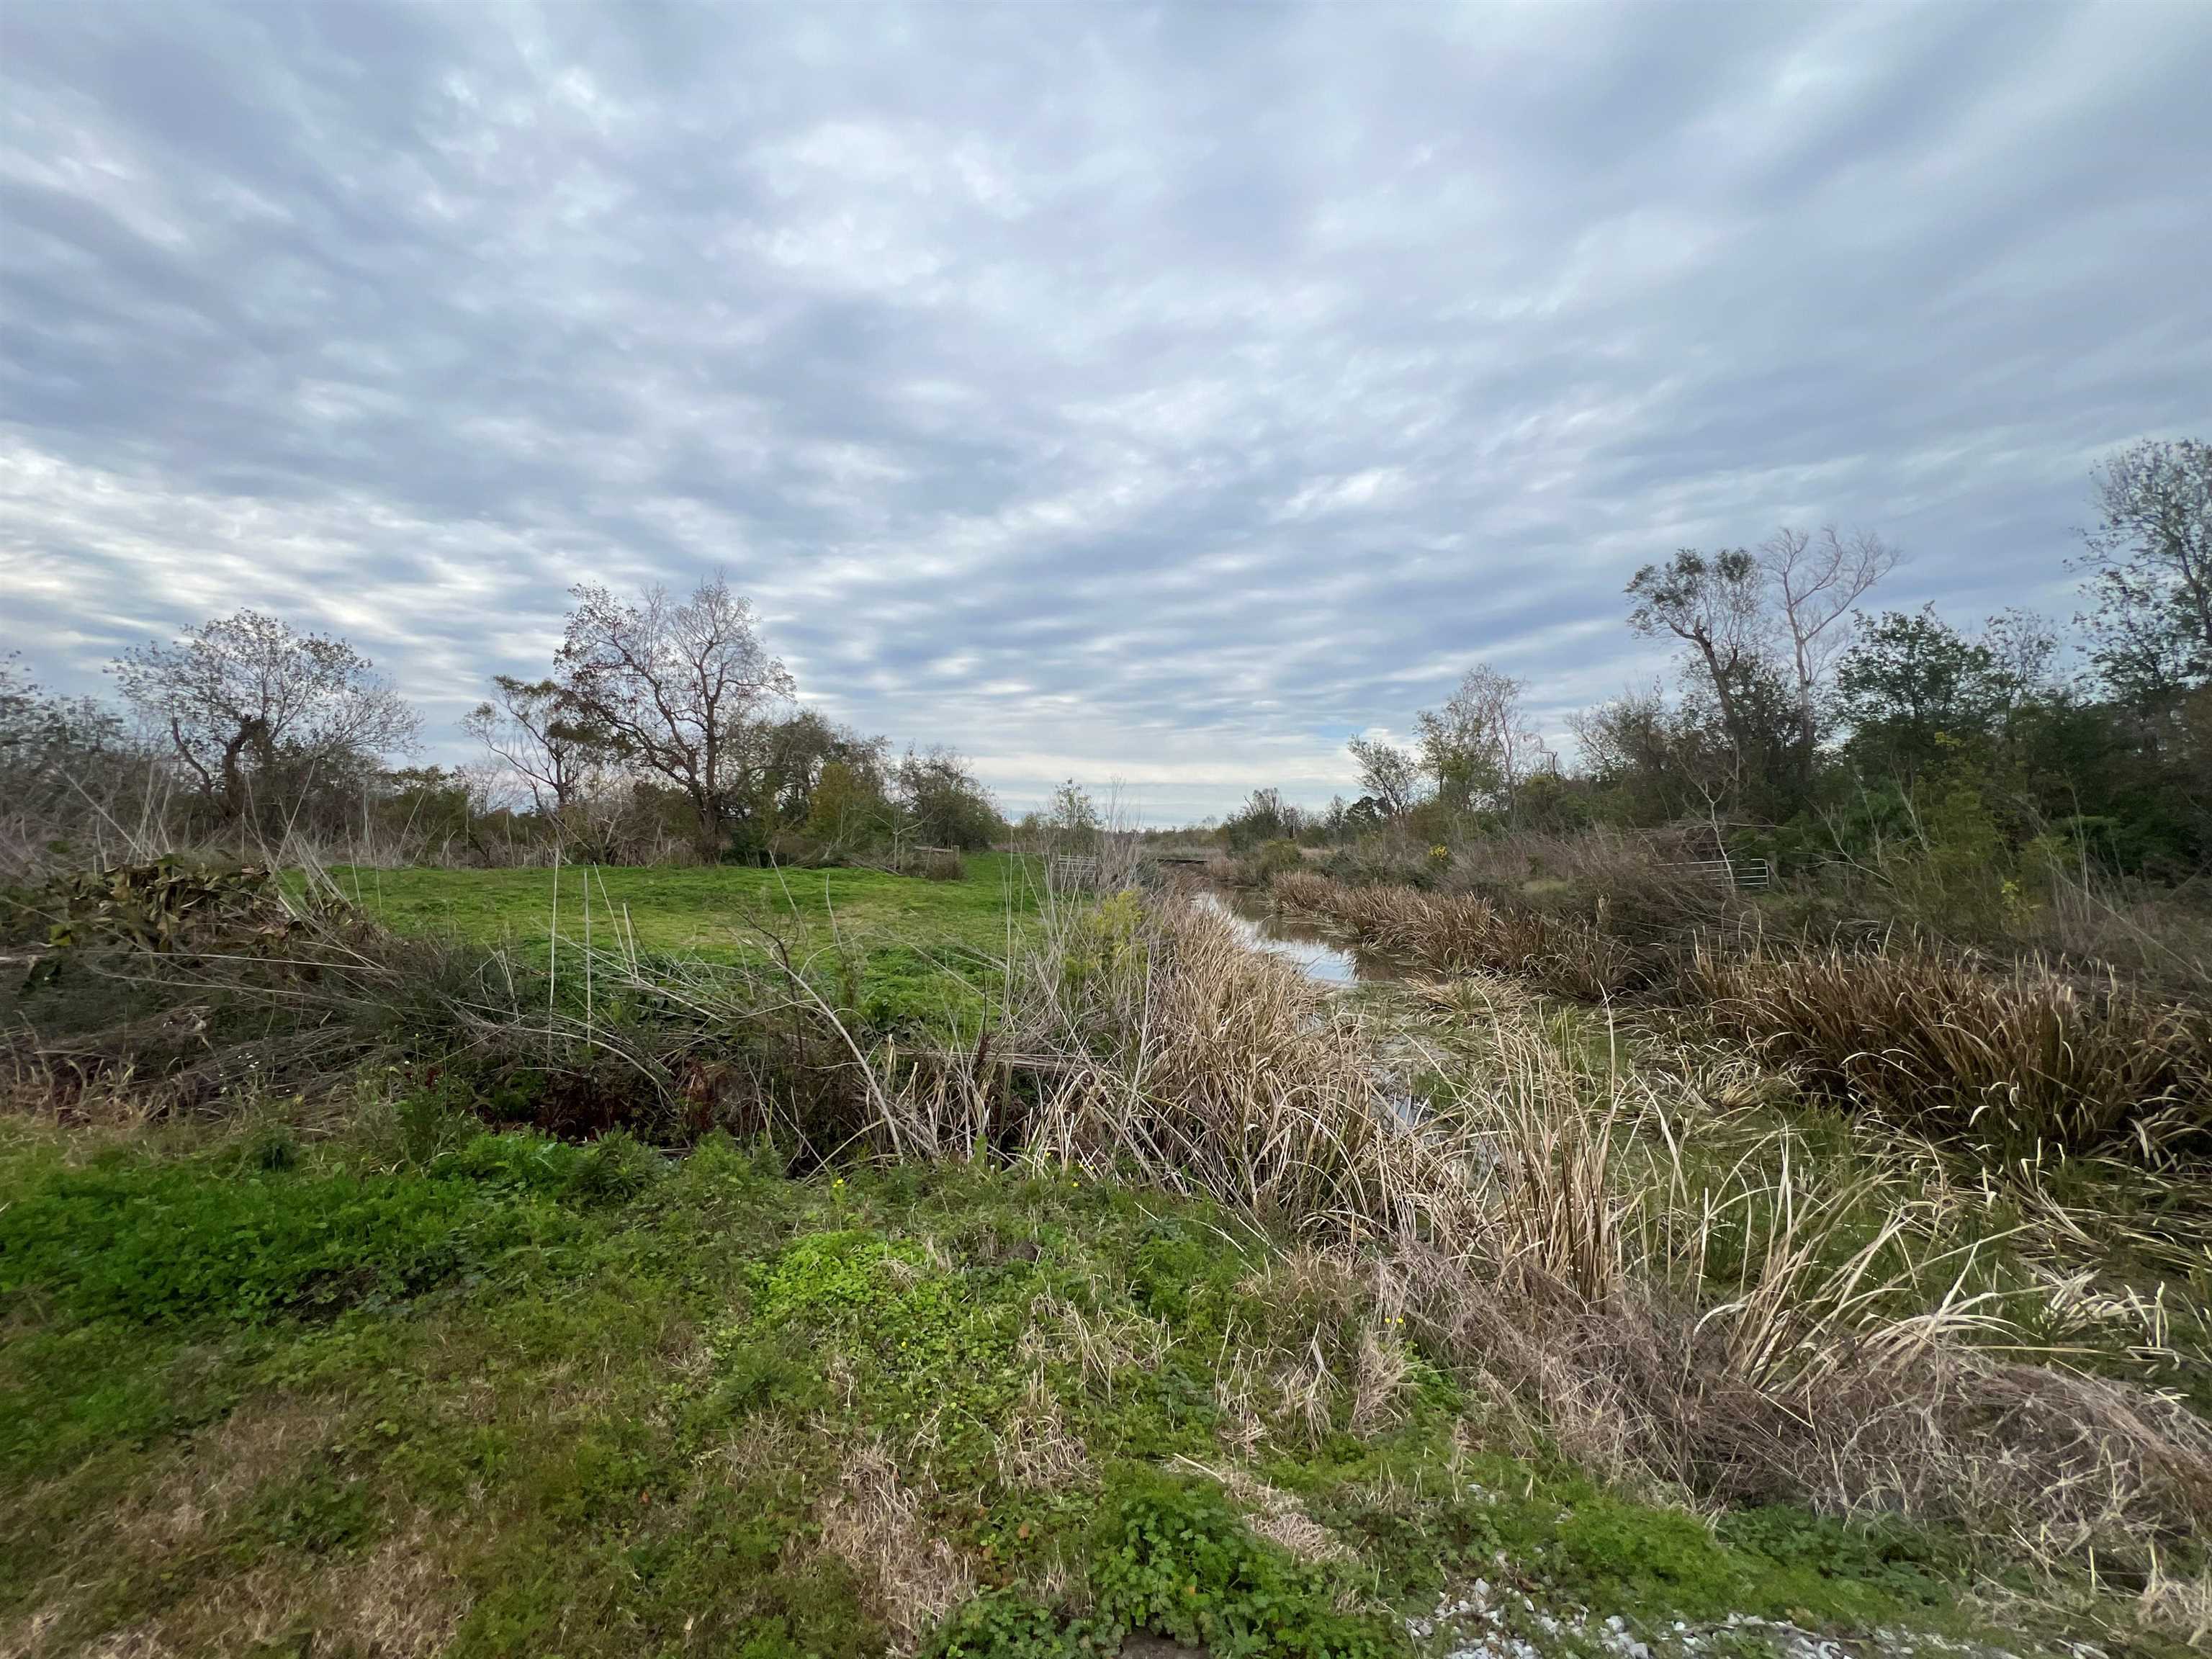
{"x":1002,"y":1626}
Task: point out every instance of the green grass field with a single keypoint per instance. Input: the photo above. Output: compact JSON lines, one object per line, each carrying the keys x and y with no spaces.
{"x":923,"y":948}
{"x":711,"y":912}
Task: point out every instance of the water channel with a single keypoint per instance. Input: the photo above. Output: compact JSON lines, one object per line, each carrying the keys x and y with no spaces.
{"x":1265,"y":926}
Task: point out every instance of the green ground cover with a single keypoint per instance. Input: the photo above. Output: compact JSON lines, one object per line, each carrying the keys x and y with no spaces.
{"x":393,"y":1384}
{"x":921,"y":948}
{"x":707,"y":911}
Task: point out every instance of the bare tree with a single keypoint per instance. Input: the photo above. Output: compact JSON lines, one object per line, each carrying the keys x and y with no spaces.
{"x":1480,"y":742}
{"x":537,"y":730}
{"x":674,"y":685}
{"x":248,"y":692}
{"x":1815,"y":582}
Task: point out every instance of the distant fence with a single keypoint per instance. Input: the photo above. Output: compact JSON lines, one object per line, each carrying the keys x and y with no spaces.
{"x":1067,"y":875}
{"x":1746,"y":875}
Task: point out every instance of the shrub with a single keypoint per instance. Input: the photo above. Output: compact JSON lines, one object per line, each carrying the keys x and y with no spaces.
{"x":936,"y":863}
{"x":2028,"y":1057}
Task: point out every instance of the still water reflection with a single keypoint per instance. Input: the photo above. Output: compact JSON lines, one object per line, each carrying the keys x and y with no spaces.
{"x":1265,"y":927}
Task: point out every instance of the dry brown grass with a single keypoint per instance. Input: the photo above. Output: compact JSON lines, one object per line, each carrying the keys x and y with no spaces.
{"x":1454,"y":933}
{"x":1155,"y":1040}
{"x":2024,"y":1057}
{"x":2182,"y":1607}
{"x":162,"y":1523}
{"x":1035,"y":1446}
{"x":399,"y":1601}
{"x":1551,"y":1229}
{"x":876,"y":1525}
{"x":1099,"y":1346}
{"x":1272,"y":1513}
{"x":1380,"y":1377}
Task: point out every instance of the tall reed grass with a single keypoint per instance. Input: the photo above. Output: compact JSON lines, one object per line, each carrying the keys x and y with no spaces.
{"x":2026,"y":1055}
{"x":1461,"y":933}
{"x":1767,"y":1327}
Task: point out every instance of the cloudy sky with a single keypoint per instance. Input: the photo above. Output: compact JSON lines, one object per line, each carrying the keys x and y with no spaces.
{"x":1160,"y":394}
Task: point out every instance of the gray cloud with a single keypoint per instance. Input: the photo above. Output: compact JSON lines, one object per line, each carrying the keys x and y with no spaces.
{"x":1159,"y":394}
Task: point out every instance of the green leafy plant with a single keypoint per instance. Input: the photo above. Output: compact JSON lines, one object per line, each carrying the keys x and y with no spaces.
{"x":1176,"y":1558}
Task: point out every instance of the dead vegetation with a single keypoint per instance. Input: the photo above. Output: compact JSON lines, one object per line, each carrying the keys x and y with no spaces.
{"x":2021,"y":1055}
{"x":2029,"y":1055}
{"x":1465,"y":933}
{"x":1751,"y":1329}
{"x":877,"y":1526}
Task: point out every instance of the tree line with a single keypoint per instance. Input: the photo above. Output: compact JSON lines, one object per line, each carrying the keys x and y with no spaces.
{"x":664,"y":728}
{"x":1799,"y":723}
{"x":1803,"y":723}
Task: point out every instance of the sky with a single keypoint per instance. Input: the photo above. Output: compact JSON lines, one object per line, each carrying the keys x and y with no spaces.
{"x":1157,"y":396}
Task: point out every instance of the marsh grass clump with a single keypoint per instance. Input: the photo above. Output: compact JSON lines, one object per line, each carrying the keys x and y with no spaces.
{"x":1142,"y":1035}
{"x":2019,"y":1058}
{"x":1459,"y":933}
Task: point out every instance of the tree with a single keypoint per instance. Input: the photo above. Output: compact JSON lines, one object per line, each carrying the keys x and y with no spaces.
{"x":846,"y":810}
{"x":245,"y":696}
{"x":1714,"y":604}
{"x":64,"y":763}
{"x":1073,"y":811}
{"x":1479,"y":746}
{"x":778,"y":766}
{"x":2149,"y":560}
{"x":44,"y":735}
{"x":1390,"y":775}
{"x":2025,"y":649}
{"x":944,"y":802}
{"x":1264,"y":816}
{"x":1913,"y":687}
{"x":1652,"y":761}
{"x":1815,"y":581}
{"x":538,"y":731}
{"x":675,"y":686}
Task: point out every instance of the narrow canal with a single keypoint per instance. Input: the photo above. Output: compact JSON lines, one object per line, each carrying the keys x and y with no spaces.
{"x":1265,"y":926}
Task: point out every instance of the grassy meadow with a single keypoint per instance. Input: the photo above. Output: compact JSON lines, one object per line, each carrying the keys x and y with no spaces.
{"x":714,"y":910}
{"x":835,"y":1263}
{"x":919,"y":950}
